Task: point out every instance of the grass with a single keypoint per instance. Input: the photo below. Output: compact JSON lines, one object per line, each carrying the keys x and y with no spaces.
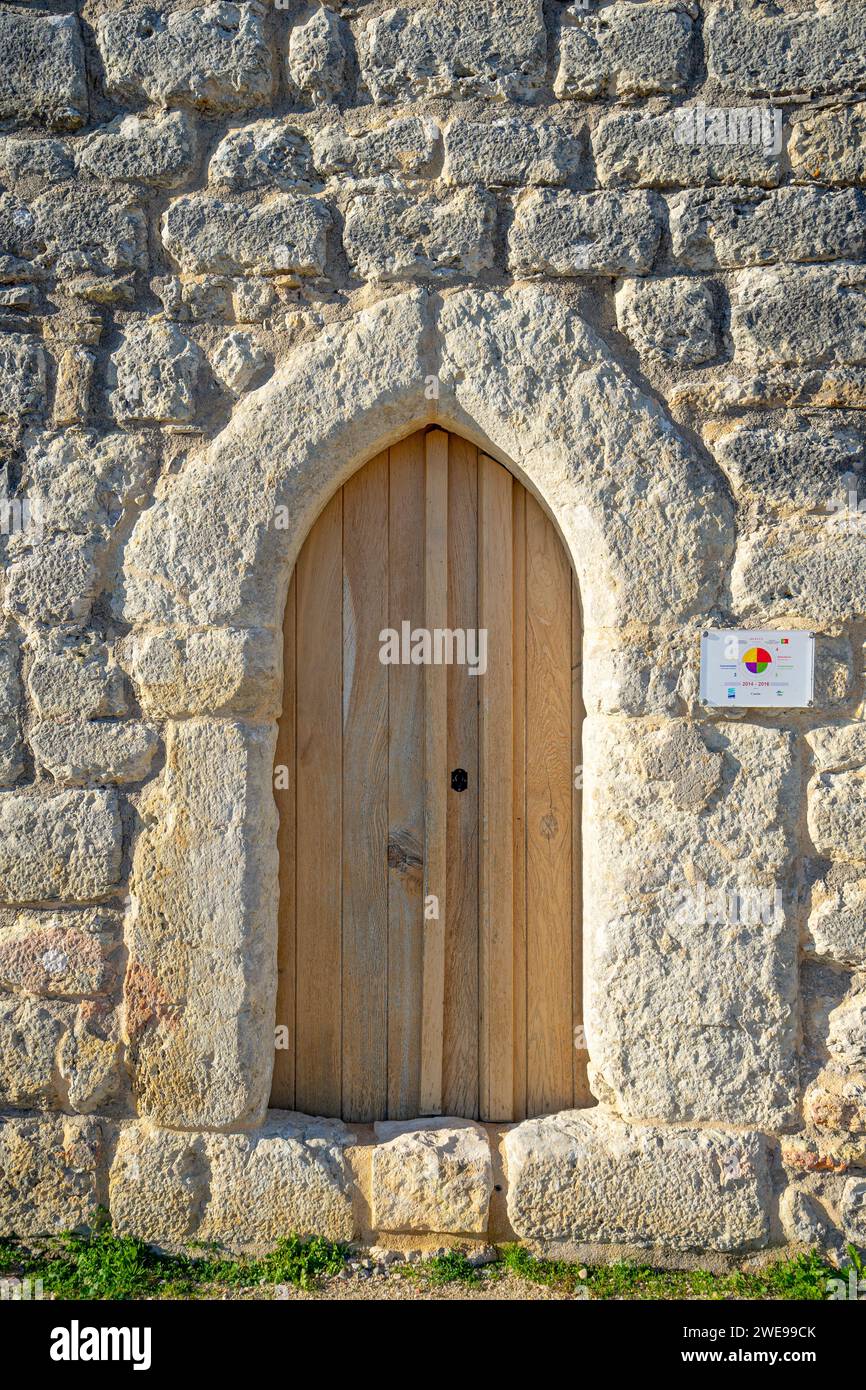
{"x":106,"y":1266}
{"x":804,"y":1277}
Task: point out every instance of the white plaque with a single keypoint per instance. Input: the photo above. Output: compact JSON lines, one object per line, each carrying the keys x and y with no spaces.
{"x":748,"y":669}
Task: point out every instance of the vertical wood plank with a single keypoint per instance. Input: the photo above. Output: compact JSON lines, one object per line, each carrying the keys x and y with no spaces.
{"x":405,"y":783}
{"x":365,"y":793}
{"x":435,"y":769}
{"x":460,"y":1046}
{"x":582,"y":1093}
{"x":519,"y":764}
{"x":283,"y":1085}
{"x":495,"y":596}
{"x":319,"y":581}
{"x":548,"y":817}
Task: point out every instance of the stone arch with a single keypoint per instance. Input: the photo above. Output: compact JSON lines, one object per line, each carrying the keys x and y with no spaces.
{"x":645,"y":522}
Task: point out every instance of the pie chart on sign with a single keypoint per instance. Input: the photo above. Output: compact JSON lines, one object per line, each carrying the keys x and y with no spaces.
{"x":756,"y":660}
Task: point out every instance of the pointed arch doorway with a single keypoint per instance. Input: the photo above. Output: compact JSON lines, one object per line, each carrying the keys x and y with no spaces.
{"x":429,"y":925}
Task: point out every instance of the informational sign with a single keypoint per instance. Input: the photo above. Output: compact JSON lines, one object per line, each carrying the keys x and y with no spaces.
{"x":748,"y":669}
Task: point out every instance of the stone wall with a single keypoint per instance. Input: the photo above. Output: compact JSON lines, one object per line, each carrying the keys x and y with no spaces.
{"x":237,"y":245}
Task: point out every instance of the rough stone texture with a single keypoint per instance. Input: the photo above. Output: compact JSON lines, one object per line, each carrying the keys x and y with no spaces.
{"x":626,"y":51}
{"x":284,"y":235}
{"x":671,"y":320}
{"x":632,"y":149}
{"x":431,"y":1175}
{"x":691,"y":1001}
{"x":133,"y":149}
{"x":48,"y":955}
{"x":22,"y":376}
{"x":404,"y":145}
{"x":317,"y":61}
{"x":586,"y":1176}
{"x":200,"y":985}
{"x":738,"y":227}
{"x":215,"y":56}
{"x":48,"y":1174}
{"x":263,"y":154}
{"x":854,"y":1210}
{"x":837,"y":814}
{"x":86,"y":231}
{"x":782,"y":468}
{"x":801,"y":316}
{"x":154,"y":375}
{"x":80,"y":754}
{"x":219,"y":672}
{"x":836,"y":928}
{"x":66,"y":847}
{"x":72,"y":674}
{"x":42,"y":78}
{"x":290,"y":1177}
{"x":801,"y":54}
{"x":450,"y":49}
{"x":392,"y":236}
{"x":830,"y":145}
{"x":512,"y":152}
{"x":557,"y":232}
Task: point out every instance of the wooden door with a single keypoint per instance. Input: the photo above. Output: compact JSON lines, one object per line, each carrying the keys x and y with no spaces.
{"x":429,"y":947}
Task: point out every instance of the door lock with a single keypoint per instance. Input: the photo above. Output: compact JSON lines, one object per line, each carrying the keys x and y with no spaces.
{"x":459,"y":779}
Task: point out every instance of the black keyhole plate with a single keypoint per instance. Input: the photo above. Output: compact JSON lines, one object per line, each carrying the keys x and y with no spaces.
{"x":459,"y":779}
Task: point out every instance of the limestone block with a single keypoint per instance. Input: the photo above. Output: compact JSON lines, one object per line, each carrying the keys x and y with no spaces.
{"x":22,"y":376}
{"x":451,"y":49}
{"x":158,"y":1184}
{"x":392,"y":236}
{"x":30,"y":1034}
{"x":853,"y":1211}
{"x":317,"y":62}
{"x":23,"y":157}
{"x":54,"y":582}
{"x":283,"y":235}
{"x":224,"y":671}
{"x":803,"y":1220}
{"x":837,"y":815}
{"x":671,"y":320}
{"x":82,"y":754}
{"x":154,"y":374}
{"x":836,"y":928}
{"x":806,"y":53}
{"x":215,"y":57}
{"x":88,"y":231}
{"x":200,"y":983}
{"x":625,"y":51}
{"x":512,"y":151}
{"x":836,"y":747}
{"x":289,"y":1177}
{"x":404,"y":145}
{"x":138,"y":149}
{"x":738,"y":227}
{"x":815,"y":573}
{"x":784,"y":467}
{"x":73,"y":385}
{"x":431,"y":1175}
{"x":46,"y":954}
{"x":846,"y":1040}
{"x":643,"y":151}
{"x":586,"y":1176}
{"x":42,"y":78}
{"x":830,"y":146}
{"x":19,"y":234}
{"x":66,"y":846}
{"x":11,"y":753}
{"x":269,"y":154}
{"x":84,"y":480}
{"x":800,"y":315}
{"x":48,"y":1174}
{"x":691,"y":986}
{"x":238,"y":360}
{"x":72,"y":674}
{"x":557,"y":232}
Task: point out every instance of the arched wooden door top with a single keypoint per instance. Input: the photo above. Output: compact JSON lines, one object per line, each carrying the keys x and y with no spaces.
{"x":429,"y":950}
